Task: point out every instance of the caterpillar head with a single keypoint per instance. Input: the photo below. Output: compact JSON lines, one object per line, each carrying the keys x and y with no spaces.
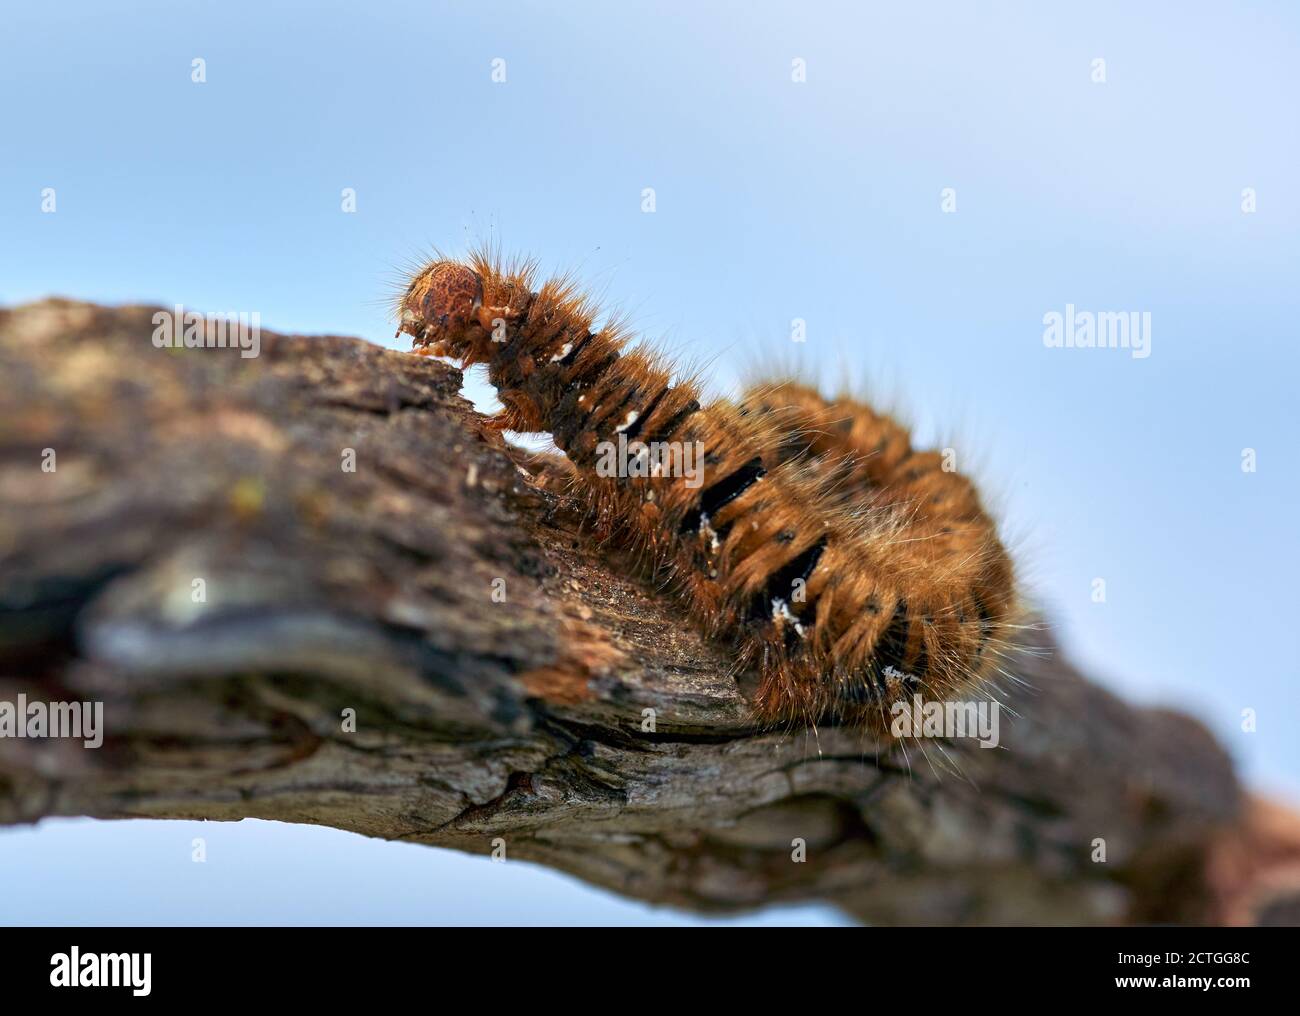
{"x":443,"y":311}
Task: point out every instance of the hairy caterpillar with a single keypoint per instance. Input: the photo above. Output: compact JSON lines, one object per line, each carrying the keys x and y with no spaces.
{"x":848,"y":569}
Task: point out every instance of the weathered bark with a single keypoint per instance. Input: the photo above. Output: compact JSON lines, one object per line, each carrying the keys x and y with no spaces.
{"x":329,"y":590}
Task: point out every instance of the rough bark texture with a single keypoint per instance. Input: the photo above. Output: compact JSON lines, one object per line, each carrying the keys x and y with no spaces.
{"x":329,"y":590}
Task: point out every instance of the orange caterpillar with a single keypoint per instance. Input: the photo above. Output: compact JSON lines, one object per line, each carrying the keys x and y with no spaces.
{"x":849,"y":570}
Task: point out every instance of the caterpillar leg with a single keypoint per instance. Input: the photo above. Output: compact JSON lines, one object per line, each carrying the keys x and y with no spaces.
{"x":552,"y":471}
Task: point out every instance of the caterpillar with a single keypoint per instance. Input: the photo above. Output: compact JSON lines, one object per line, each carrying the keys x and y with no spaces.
{"x":845,"y":568}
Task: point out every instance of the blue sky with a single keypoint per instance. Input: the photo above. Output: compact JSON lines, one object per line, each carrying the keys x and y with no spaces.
{"x":774,"y":200}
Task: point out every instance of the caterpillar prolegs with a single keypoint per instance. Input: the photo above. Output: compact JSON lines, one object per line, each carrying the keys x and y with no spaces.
{"x":847,"y":569}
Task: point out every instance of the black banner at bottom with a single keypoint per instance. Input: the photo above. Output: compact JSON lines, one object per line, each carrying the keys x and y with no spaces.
{"x":338,"y":965}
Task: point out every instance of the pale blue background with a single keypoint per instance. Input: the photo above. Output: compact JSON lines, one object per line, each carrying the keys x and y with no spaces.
{"x":775,"y":200}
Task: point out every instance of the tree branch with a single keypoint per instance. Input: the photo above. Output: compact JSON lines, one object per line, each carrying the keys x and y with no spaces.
{"x":180,"y":471}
